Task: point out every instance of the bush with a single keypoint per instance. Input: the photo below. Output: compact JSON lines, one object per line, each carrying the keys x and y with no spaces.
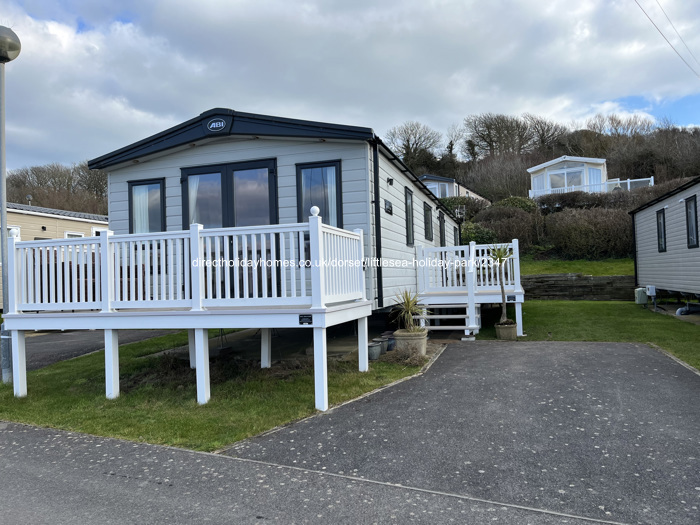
{"x":477,"y":233}
{"x":508,"y":224}
{"x":522,"y":203}
{"x":590,"y":234}
{"x":470,"y":205}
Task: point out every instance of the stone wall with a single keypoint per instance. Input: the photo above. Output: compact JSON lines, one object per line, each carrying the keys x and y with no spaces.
{"x":575,"y":286}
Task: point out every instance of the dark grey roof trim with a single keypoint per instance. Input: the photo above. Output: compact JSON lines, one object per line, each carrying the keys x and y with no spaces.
{"x":232,"y":123}
{"x":428,"y":176}
{"x":665,"y":196}
{"x":61,"y":213}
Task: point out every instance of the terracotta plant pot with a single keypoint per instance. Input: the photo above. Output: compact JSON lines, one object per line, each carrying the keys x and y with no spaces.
{"x":507,"y":332}
{"x":411,"y":342}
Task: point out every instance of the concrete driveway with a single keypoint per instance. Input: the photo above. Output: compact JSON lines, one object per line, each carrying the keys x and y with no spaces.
{"x":601,"y":431}
{"x":520,"y":433}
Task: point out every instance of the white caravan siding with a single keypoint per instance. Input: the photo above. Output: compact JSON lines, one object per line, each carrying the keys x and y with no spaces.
{"x":394,"y":247}
{"x":678,"y":268}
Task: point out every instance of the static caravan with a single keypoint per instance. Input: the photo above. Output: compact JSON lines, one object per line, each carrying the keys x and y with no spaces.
{"x":666,"y":244}
{"x":446,"y":187}
{"x":237,"y":220}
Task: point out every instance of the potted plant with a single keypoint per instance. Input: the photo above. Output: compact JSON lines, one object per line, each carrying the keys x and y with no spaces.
{"x":410,"y":338}
{"x":506,"y":328}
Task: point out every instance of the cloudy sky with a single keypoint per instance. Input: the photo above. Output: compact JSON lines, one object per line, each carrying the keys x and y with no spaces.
{"x":94,"y":76}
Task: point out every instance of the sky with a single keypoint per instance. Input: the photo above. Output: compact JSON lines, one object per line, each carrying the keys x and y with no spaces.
{"x":94,"y":76}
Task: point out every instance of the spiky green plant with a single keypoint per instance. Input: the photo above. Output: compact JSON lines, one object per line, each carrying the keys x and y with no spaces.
{"x":407,"y":306}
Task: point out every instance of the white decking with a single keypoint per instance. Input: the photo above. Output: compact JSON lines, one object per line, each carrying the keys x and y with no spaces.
{"x":307,"y":275}
{"x":465,"y":277}
{"x":602,"y":187}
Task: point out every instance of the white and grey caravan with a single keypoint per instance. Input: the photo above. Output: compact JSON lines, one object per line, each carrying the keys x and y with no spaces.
{"x":238,"y":220}
{"x":666,"y":243}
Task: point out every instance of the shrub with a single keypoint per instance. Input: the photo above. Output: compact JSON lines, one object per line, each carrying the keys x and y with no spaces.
{"x":522,"y":203}
{"x":590,"y":234}
{"x":477,"y":233}
{"x":470,"y":205}
{"x":508,"y":224}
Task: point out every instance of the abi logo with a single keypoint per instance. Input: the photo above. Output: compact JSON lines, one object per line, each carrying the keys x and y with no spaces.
{"x":216,"y":124}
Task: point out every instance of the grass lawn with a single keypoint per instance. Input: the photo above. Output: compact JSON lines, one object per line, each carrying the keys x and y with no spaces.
{"x":158,"y":396}
{"x":612,"y":321}
{"x":530,"y":266}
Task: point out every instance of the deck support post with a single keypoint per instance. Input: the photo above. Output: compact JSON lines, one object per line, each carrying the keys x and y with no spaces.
{"x":519,"y":318}
{"x":19,"y":364}
{"x":190,"y":342}
{"x":265,"y":348}
{"x":320,"y":369}
{"x":362,"y":339}
{"x":201,"y":342}
{"x":111,"y":364}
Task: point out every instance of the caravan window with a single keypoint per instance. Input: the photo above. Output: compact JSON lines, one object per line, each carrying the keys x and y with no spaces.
{"x":661,"y":229}
{"x":409,"y":216}
{"x":691,"y":219}
{"x":146,"y":206}
{"x":320,"y":185}
{"x":428,"y":221}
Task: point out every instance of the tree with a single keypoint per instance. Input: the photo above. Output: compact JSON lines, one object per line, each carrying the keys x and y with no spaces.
{"x":416,"y":144}
{"x":490,"y":134}
{"x":546,"y":134}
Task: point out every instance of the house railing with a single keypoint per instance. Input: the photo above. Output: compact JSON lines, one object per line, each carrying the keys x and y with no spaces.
{"x":603,"y":187}
{"x":467,"y":268}
{"x":278,"y":265}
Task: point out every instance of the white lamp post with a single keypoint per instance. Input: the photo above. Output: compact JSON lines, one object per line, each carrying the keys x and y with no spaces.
{"x":9,"y":50}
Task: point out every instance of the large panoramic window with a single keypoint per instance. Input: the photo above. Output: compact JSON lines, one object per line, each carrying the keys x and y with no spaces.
{"x":409,"y":216}
{"x":319,"y":184}
{"x":691,"y":220}
{"x":661,"y":230}
{"x":567,"y":175}
{"x":240,"y":194}
{"x":146,"y":206}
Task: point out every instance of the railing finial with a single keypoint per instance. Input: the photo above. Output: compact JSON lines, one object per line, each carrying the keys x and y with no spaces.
{"x":14,"y":232}
{"x":315,"y":210}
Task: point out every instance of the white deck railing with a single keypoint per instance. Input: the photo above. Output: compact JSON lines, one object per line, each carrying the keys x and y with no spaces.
{"x":466,"y":269}
{"x":278,"y":265}
{"x":604,"y":187}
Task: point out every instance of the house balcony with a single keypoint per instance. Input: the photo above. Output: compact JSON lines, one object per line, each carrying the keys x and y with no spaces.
{"x":284,"y":275}
{"x":465,"y":277}
{"x":603,"y":187}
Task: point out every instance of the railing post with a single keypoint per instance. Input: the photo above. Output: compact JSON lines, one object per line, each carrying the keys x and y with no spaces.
{"x":516,"y":264}
{"x":420,"y":269}
{"x":106,"y":271}
{"x":316,"y":256}
{"x":471,"y":284}
{"x":12,"y":272}
{"x":196,"y":266}
{"x":651,"y":181}
{"x":361,"y":266}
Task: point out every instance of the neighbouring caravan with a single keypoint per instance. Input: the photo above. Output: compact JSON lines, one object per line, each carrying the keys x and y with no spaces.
{"x":666,"y":244}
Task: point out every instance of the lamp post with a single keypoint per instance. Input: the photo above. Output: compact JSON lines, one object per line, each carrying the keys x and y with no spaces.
{"x":9,"y":50}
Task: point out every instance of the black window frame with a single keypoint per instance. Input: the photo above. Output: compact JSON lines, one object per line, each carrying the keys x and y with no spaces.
{"x":441,"y":220}
{"x":303,"y":216}
{"x":455,"y":232}
{"x":428,"y":221}
{"x":410,"y":224}
{"x":661,"y":230}
{"x":688,"y":223}
{"x":226,"y":170}
{"x":145,"y":182}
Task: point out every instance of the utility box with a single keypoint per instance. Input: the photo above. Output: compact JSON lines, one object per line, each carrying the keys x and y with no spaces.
{"x":651,"y":290}
{"x":640,"y":296}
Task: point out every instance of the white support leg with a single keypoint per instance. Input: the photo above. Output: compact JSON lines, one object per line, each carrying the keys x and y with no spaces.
{"x":519,"y":317}
{"x":266,"y":348}
{"x":190,"y":340}
{"x":320,"y":369}
{"x":112,"y":364}
{"x":19,"y":364}
{"x":201,"y":343}
{"x":362,"y":338}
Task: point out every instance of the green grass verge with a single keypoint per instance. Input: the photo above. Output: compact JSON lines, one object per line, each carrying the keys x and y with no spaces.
{"x":158,"y":397}
{"x":530,"y":266}
{"x":610,"y":321}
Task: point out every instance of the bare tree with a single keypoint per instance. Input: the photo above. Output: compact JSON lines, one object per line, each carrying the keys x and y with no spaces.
{"x":546,"y":134}
{"x":490,"y":134}
{"x":415,"y":143}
